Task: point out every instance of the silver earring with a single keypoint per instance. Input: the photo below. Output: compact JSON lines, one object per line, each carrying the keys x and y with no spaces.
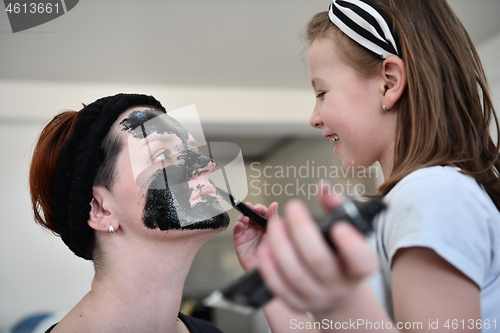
{"x":383,"y":107}
{"x":111,"y":229}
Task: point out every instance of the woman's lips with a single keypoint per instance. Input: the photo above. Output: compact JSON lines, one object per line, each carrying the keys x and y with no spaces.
{"x":205,"y":190}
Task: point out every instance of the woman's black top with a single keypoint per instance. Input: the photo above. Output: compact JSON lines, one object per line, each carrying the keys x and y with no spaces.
{"x":194,"y":325}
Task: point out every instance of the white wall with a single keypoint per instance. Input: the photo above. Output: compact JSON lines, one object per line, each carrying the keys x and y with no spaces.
{"x":36,"y":268}
{"x":281,"y":108}
{"x":490,"y":57}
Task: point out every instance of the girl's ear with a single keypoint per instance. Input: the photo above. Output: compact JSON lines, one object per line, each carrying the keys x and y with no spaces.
{"x":100,"y":219}
{"x":394,"y":75}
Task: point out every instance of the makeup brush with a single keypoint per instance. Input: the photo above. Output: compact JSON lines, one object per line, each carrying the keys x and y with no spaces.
{"x":242,"y":208}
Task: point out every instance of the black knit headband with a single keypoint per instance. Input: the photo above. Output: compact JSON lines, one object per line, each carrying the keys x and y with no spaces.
{"x":79,"y":162}
{"x":364,"y":23}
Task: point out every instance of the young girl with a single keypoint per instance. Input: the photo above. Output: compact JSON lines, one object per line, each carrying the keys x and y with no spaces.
{"x":398,"y":82}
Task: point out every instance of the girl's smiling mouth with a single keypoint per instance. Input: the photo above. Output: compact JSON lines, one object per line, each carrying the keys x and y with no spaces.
{"x":334,"y":138}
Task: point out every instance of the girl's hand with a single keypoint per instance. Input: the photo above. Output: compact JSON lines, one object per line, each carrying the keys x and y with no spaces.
{"x":247,"y":235}
{"x":301,"y":269}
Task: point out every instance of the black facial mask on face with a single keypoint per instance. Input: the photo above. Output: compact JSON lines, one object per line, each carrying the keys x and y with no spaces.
{"x":168,"y":196}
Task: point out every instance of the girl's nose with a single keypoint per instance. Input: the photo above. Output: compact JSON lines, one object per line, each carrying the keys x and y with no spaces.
{"x":315,"y":120}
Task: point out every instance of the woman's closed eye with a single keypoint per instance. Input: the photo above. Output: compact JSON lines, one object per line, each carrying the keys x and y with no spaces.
{"x":165,"y":156}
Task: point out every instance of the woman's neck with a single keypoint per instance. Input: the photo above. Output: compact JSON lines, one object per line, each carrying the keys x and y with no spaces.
{"x":141,"y":288}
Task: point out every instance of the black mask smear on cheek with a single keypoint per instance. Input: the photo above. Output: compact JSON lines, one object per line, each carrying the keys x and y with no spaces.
{"x":159,"y":210}
{"x":166,"y":198}
{"x":164,"y":206}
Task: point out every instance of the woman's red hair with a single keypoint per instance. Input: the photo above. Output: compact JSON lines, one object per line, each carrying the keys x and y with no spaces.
{"x":44,"y":166}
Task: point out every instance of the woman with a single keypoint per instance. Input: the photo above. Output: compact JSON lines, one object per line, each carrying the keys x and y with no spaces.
{"x":123,"y":184}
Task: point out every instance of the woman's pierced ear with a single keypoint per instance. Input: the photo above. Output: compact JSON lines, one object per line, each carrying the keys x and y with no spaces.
{"x":385,"y":109}
{"x":111,"y":230}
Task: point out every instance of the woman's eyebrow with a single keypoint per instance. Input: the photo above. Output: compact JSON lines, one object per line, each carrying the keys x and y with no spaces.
{"x":157,"y":137}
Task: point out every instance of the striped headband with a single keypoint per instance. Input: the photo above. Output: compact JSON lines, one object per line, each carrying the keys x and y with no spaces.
{"x":366,"y":25}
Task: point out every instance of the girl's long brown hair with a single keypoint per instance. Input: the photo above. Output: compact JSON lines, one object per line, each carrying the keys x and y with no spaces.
{"x":445,"y":112}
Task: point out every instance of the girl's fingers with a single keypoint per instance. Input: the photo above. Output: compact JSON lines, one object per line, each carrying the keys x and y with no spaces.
{"x":277,"y":285}
{"x":357,"y":256}
{"x":261,"y":209}
{"x":328,"y":199}
{"x":272,"y":210}
{"x":288,"y":259}
{"x":299,"y":267}
{"x":244,"y":219}
{"x":310,"y":244}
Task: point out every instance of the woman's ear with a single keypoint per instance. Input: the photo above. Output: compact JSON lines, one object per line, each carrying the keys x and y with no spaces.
{"x":101,"y":219}
{"x":393,"y":72}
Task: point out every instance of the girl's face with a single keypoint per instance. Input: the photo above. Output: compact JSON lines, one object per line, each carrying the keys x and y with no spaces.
{"x":349,"y":110}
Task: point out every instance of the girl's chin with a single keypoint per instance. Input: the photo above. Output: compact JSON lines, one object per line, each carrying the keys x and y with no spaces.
{"x":352,"y":166}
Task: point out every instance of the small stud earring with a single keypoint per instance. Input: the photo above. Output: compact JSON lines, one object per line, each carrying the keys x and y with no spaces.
{"x":104,"y":226}
{"x":383,"y":107}
{"x":111,"y":229}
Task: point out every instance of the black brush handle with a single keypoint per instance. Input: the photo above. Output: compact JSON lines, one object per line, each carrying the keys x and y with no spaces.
{"x":252,"y":214}
{"x":243,"y":208}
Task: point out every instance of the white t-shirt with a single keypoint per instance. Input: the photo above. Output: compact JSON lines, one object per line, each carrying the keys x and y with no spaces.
{"x":441,"y":209}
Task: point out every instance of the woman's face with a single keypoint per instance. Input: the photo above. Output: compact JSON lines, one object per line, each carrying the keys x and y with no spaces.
{"x":162,"y":179}
{"x":348,"y":108}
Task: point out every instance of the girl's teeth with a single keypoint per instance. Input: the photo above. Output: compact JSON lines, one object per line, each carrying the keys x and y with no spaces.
{"x":334,"y":138}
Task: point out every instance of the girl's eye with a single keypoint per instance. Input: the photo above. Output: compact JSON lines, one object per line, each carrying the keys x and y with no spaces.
{"x":320,"y":95}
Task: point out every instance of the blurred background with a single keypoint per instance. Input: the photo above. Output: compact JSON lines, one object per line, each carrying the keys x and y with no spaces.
{"x":241,"y":62}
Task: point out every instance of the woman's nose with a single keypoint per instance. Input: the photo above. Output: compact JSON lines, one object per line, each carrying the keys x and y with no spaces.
{"x":202,"y":165}
{"x":205,"y":171}
{"x":210,"y":166}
